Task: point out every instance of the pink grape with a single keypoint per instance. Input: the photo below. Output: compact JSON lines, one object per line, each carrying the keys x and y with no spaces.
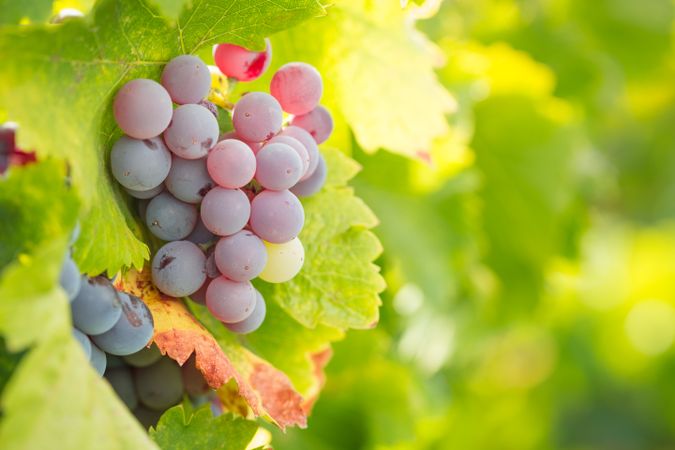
{"x":278,"y":167}
{"x":257,"y":117}
{"x":188,"y":179}
{"x":240,"y":257}
{"x":192,"y":132}
{"x":142,"y":108}
{"x":225,"y":211}
{"x":230,"y":301}
{"x":295,"y":145}
{"x":318,"y":122}
{"x":240,"y":63}
{"x":187,"y":79}
{"x":297,"y":86}
{"x":314,"y":183}
{"x":276,"y":216}
{"x":309,"y":143}
{"x":252,"y":322}
{"x":140,"y":165}
{"x":231,"y":164}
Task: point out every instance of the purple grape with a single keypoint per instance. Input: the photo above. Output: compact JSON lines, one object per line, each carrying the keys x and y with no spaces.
{"x":140,"y":165}
{"x":69,"y":278}
{"x":240,"y":257}
{"x":83,"y":340}
{"x":257,"y":117}
{"x":200,"y":234}
{"x":145,"y":195}
{"x":98,"y":359}
{"x":231,"y":164}
{"x":178,"y":268}
{"x":188,"y":179}
{"x":314,"y":183}
{"x":276,"y":216}
{"x":142,"y":108}
{"x":160,"y":385}
{"x":192,"y":132}
{"x":132,"y":331}
{"x":123,"y":383}
{"x":318,"y":122}
{"x":200,"y":295}
{"x":278,"y":167}
{"x":97,"y":307}
{"x":309,"y":143}
{"x":230,"y":301}
{"x":210,"y":106}
{"x":252,"y":322}
{"x":170,"y":219}
{"x":187,"y":79}
{"x":225,"y":211}
{"x":297,"y":86}
{"x":295,"y":145}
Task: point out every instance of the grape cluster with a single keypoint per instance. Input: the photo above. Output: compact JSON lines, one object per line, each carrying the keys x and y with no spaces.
{"x":104,"y":320}
{"x":227,"y":205}
{"x":149,"y":383}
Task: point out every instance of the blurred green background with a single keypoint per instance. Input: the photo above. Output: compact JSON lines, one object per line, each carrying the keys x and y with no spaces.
{"x":531,"y":262}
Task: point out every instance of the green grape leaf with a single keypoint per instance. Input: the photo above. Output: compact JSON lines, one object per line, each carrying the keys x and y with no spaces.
{"x":13,"y":11}
{"x":35,"y":208}
{"x":338,"y":285}
{"x":179,"y":429}
{"x":74,"y":70}
{"x":55,"y":394}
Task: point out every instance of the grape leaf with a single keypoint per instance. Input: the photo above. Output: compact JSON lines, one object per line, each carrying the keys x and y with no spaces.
{"x":338,"y":285}
{"x":179,"y":429}
{"x":218,"y":355}
{"x":12,"y":11}
{"x":56,"y":394}
{"x":77,"y":67}
{"x":35,"y":208}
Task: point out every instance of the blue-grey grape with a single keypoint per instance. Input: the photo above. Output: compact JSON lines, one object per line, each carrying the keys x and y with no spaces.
{"x":193,"y":380}
{"x":98,"y":359}
{"x":278,"y":167}
{"x":122,"y":382}
{"x":192,"y":133}
{"x":314,"y":183}
{"x":179,"y":268}
{"x":225,"y":211}
{"x":252,"y":322}
{"x":169,"y":218}
{"x":240,"y":257}
{"x":69,"y":278}
{"x":276,"y":216}
{"x":146,"y":416}
{"x":187,"y":79}
{"x":83,"y":340}
{"x":144,"y":357}
{"x":188,"y":179}
{"x":230,"y":301}
{"x":147,"y":194}
{"x":159,"y":385}
{"x":97,"y":307}
{"x":132,"y":331}
{"x":257,"y":117}
{"x":140,"y":164}
{"x":142,"y":108}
